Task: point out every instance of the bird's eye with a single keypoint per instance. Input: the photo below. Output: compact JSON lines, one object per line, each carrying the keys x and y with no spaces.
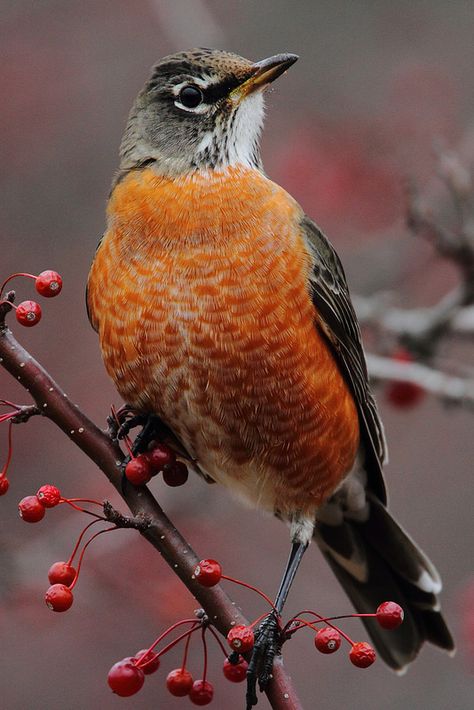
{"x":190,"y":96}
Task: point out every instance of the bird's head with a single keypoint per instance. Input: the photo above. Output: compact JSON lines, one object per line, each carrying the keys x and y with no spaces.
{"x":200,"y":109}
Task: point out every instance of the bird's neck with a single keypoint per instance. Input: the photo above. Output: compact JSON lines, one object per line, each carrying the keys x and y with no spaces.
{"x":200,"y":207}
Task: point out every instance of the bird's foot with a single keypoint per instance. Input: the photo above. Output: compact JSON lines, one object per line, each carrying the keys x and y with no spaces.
{"x":128,"y":424}
{"x":121,"y":422}
{"x":267,"y":645}
{"x":151,"y":427}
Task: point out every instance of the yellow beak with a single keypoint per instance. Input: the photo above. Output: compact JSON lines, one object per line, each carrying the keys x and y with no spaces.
{"x":264,"y":72}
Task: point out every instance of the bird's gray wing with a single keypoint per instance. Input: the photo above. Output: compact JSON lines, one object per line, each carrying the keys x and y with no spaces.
{"x":338,"y":322}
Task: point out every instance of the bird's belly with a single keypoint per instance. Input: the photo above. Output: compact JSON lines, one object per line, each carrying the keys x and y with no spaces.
{"x":241,"y":375}
{"x":218,"y":337}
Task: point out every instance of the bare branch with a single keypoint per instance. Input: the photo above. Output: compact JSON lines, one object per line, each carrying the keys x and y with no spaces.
{"x":422,"y":330}
{"x":417,"y":323}
{"x":53,"y":403}
{"x":455,"y":390}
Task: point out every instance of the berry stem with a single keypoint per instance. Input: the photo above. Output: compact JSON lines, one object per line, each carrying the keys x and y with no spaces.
{"x":250,"y":586}
{"x":4,"y":470}
{"x":223,"y":649}
{"x":81,"y":557}
{"x":83,"y":500}
{"x":6,"y":417}
{"x":9,"y":303}
{"x":168,"y":631}
{"x":82,"y":510}
{"x":204,"y":645}
{"x":186,"y":649}
{"x":12,"y":276}
{"x":79,"y":540}
{"x":178,"y":639}
{"x":321,"y":619}
{"x":7,"y":403}
{"x":340,"y":616}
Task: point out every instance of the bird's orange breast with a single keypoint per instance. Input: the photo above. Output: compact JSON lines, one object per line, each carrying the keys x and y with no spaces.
{"x":199,"y":291}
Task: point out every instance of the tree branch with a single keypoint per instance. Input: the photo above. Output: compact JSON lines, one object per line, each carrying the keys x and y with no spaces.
{"x":413,"y":323}
{"x":454,"y":390}
{"x":53,"y":403}
{"x":422,"y":330}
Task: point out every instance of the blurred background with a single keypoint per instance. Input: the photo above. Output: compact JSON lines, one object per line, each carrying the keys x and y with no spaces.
{"x":376,"y":85}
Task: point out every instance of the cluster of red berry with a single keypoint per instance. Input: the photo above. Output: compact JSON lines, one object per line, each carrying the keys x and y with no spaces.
{"x":48,"y":284}
{"x":28,"y":313}
{"x":328,"y":638}
{"x":127,"y":676}
{"x":62,"y":575}
{"x":160,"y":458}
{"x":32,"y":509}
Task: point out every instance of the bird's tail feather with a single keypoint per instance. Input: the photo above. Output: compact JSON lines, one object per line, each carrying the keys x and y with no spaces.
{"x":376,"y":561}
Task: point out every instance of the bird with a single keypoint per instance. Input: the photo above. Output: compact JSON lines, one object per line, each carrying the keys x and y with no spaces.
{"x":224,"y":311}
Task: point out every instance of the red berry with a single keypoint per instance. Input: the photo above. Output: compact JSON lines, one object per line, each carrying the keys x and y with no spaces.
{"x":208,"y":573}
{"x":49,"y":496}
{"x":125,"y":678}
{"x":389,"y":615}
{"x":175,"y":474}
{"x":4,"y":485}
{"x":327,"y":640}
{"x":235,"y":672}
{"x":362,"y":655}
{"x":179,"y":682}
{"x":61,"y":573}
{"x":161,"y":455}
{"x":49,"y":283}
{"x":149,"y":663}
{"x":138,"y":470}
{"x":31,"y":510}
{"x":201,"y":693}
{"x":404,"y":394}
{"x":59,"y":597}
{"x":28,"y":313}
{"x":241,"y":638}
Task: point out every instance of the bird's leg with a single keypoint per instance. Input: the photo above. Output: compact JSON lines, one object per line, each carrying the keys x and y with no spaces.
{"x":267,"y":638}
{"x":297,"y":551}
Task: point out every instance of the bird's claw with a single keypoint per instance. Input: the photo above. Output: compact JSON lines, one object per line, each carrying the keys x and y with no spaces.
{"x":121,"y":421}
{"x":128,"y":424}
{"x":267,"y":645}
{"x":150,"y":424}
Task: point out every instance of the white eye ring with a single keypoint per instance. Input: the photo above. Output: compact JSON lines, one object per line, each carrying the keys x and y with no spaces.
{"x":190,"y":96}
{"x":180,"y":89}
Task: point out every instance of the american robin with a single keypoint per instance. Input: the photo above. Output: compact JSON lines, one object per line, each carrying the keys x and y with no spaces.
{"x":222,"y":309}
